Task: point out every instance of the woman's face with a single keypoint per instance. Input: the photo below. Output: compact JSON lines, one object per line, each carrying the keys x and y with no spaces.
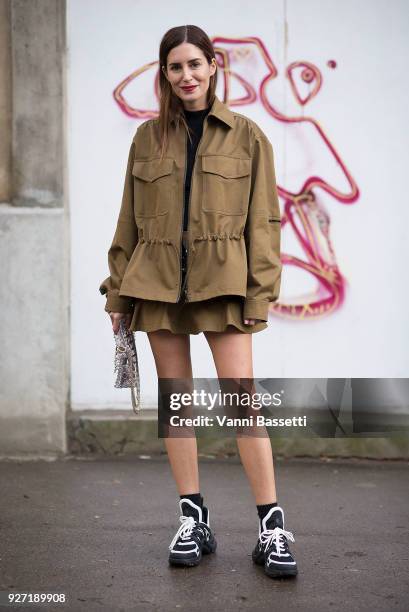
{"x":188,"y":73}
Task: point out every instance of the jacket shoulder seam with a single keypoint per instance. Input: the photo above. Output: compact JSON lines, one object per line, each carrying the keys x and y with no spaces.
{"x":145,"y":124}
{"x":254,"y":129}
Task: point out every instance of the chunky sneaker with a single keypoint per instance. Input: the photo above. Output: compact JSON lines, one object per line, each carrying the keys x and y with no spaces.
{"x":272,"y":549}
{"x":193,"y":537}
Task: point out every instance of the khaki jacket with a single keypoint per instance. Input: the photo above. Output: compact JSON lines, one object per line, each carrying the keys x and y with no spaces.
{"x":234,"y":218}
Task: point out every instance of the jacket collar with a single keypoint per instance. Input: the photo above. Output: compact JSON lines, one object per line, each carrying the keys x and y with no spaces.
{"x":220,"y":110}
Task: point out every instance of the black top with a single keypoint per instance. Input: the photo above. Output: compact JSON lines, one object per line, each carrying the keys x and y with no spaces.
{"x":195,"y":120}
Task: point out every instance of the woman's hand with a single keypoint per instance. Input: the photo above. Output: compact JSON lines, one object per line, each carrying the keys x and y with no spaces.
{"x":116,"y":318}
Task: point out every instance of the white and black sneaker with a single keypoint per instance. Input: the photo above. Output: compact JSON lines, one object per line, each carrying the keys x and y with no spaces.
{"x":193,"y":537}
{"x":272,"y":549}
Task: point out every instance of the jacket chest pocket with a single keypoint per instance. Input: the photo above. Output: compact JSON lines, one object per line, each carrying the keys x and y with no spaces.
{"x":226,"y":184}
{"x":154,"y":187}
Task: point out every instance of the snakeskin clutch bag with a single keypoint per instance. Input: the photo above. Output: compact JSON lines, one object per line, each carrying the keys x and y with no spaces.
{"x":126,"y":364}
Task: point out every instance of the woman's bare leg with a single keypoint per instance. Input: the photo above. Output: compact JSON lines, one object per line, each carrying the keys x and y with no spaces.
{"x":172,"y":358}
{"x":255,"y":452}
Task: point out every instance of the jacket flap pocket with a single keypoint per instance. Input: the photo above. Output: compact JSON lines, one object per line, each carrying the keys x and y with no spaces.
{"x":273,"y":218}
{"x":229,"y":167}
{"x":150,"y":170}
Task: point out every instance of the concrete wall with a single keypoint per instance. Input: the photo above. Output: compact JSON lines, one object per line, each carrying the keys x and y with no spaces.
{"x":34,"y":327}
{"x":35,"y":373}
{"x":5,"y":101}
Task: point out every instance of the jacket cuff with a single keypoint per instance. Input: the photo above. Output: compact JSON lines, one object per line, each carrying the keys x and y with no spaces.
{"x":256,"y":309}
{"x":116,"y":303}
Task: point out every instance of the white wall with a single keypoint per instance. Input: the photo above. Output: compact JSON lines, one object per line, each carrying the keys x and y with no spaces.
{"x":361,"y":108}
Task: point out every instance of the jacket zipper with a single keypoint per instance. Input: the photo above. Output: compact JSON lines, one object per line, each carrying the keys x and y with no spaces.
{"x":184,"y":288}
{"x":181,"y":225}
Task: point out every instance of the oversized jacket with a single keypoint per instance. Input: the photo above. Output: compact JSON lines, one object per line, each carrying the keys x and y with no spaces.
{"x":234,"y":218}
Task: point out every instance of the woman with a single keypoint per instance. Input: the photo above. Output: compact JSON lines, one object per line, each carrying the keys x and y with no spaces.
{"x":197,"y":249}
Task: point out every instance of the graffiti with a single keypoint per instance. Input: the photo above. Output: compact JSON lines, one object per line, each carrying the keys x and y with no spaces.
{"x":303,"y":212}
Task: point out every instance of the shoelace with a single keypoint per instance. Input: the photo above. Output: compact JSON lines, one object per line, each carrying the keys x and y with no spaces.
{"x":275,"y":537}
{"x":185,"y":529}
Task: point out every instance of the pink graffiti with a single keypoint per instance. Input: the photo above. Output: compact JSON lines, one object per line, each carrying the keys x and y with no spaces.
{"x":309,"y":74}
{"x":302,"y":213}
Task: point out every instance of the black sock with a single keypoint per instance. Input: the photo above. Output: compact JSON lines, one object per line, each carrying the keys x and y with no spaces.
{"x":264,"y":509}
{"x":196,"y":498}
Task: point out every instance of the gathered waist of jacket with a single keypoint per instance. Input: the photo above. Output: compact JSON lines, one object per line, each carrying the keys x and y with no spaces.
{"x":185,"y":238}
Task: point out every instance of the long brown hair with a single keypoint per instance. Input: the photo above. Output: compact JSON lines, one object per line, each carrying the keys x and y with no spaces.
{"x":170,"y":106}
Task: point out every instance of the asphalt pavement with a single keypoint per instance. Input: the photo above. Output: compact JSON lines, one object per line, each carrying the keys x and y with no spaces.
{"x":97,"y":530}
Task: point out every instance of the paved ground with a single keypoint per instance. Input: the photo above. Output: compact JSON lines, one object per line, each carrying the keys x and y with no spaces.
{"x":98,"y":531}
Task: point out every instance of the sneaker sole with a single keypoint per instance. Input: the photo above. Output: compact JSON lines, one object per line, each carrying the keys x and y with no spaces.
{"x":185,"y":562}
{"x":281,"y":573}
{"x":274,"y":572}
